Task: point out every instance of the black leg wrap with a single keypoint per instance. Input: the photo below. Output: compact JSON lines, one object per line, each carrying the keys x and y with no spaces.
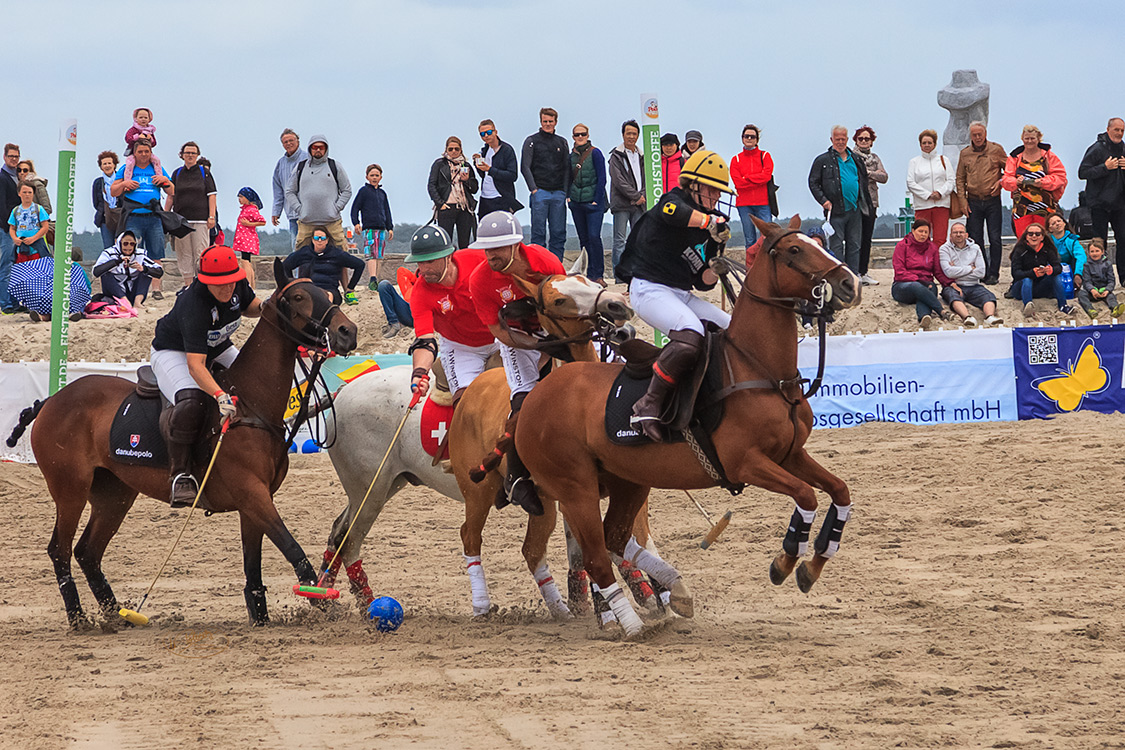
{"x":256,"y":605}
{"x":797,"y":535}
{"x":71,"y":601}
{"x":828,"y":540}
{"x":304,"y":570}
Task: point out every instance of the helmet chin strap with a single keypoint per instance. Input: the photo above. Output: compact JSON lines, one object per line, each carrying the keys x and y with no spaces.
{"x":511,"y":260}
{"x":445,"y":272}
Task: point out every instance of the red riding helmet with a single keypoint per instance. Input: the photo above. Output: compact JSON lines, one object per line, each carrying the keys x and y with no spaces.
{"x":219,"y":265}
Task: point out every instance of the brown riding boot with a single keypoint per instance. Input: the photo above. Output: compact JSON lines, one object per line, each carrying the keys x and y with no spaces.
{"x":676,"y":360}
{"x":184,"y":427}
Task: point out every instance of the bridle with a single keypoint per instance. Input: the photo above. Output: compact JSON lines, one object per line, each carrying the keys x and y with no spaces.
{"x":313,"y":335}
{"x":592,"y":320}
{"x":821,"y":289}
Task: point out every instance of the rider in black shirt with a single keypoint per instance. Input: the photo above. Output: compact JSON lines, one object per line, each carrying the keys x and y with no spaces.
{"x":674,"y":248}
{"x":189,"y":340}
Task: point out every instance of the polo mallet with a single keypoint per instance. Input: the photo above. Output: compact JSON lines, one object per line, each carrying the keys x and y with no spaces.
{"x":134,"y":616}
{"x":716,"y":528}
{"x":320,"y":591}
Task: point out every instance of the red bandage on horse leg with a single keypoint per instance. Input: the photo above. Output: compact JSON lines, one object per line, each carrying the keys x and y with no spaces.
{"x":358,"y":578}
{"x":330,"y":574}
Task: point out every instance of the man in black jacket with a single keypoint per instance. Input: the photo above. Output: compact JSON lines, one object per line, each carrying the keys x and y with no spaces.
{"x":498,"y":170}
{"x":1105,"y":184}
{"x":9,"y":199}
{"x":838,"y":181}
{"x":546,"y":170}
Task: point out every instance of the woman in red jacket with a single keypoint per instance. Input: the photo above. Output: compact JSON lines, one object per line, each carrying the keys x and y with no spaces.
{"x":1036,"y":179}
{"x":917,"y":264}
{"x":670,"y":161}
{"x":751,"y":170}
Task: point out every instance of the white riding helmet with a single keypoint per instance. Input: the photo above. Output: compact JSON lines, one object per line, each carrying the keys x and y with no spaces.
{"x":498,"y":229}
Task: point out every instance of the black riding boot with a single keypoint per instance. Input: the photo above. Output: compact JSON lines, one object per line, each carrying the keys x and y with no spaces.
{"x":676,"y":359}
{"x":518,"y":485}
{"x":184,"y":427}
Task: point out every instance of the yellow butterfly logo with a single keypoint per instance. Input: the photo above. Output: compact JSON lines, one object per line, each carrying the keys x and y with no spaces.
{"x":1086,"y":377}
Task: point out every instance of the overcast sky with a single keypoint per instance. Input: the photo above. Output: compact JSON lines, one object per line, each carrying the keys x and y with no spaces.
{"x":387,"y":81}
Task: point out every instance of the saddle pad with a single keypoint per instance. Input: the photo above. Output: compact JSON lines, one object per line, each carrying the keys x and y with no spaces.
{"x":435,"y":422}
{"x":135,"y":437}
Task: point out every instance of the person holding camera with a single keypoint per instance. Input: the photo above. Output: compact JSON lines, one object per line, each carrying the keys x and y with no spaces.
{"x":452,"y":186}
{"x":126,"y":270}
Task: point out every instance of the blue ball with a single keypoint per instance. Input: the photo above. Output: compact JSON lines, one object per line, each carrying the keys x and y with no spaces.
{"x":310,"y":446}
{"x":386,"y":613}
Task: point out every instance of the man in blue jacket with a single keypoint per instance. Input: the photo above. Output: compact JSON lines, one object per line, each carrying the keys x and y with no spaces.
{"x":288,"y":162}
{"x":498,"y":170}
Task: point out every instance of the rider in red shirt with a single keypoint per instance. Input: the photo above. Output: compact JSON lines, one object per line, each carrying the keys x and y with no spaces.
{"x":501,"y":238}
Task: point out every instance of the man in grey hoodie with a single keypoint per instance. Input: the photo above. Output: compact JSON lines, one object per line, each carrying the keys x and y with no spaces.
{"x":317,"y":192}
{"x":288,"y":162}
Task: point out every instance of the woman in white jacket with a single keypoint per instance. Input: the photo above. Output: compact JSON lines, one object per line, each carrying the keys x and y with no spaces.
{"x":126,"y":270}
{"x":930,"y":180}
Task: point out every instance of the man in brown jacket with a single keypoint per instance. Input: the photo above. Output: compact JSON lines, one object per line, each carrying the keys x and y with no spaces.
{"x":979,"y":170}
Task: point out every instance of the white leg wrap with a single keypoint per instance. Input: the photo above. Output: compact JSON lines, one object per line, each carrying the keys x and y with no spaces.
{"x":481,"y":603}
{"x":550,"y":592}
{"x":651,"y":563}
{"x":843,"y":512}
{"x":622,"y":609}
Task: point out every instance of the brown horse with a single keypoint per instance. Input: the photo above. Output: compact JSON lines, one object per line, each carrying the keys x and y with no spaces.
{"x":760,"y":441}
{"x":79,"y":468}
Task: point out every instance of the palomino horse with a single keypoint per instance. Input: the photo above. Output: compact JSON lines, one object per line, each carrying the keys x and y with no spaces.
{"x":759,"y":441}
{"x":369,"y":409}
{"x":79,"y":468}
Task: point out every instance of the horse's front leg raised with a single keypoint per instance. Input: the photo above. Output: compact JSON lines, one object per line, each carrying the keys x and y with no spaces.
{"x":801,"y":465}
{"x":762,"y":472}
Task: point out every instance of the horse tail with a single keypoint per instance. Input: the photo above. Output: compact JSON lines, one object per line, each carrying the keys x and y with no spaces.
{"x":27,"y":416}
{"x":492,"y":460}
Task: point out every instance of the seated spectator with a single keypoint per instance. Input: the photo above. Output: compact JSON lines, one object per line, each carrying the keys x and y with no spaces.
{"x":27,"y":226}
{"x":1070,"y":250}
{"x":396,"y":303}
{"x":963,"y":262}
{"x":126,"y":270}
{"x":1036,"y":271}
{"x":1098,"y":282}
{"x":33,"y":284}
{"x":917,"y":264}
{"x":325,"y":264}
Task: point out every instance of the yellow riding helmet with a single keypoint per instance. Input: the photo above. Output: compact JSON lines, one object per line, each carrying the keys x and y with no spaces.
{"x":708,"y":168}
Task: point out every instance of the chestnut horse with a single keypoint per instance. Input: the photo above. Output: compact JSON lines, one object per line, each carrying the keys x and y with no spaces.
{"x":760,"y":440}
{"x":79,"y":468}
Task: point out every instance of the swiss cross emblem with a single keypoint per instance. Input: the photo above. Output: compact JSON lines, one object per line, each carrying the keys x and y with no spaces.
{"x":446,"y":304}
{"x":507,"y":294}
{"x":134,"y":440}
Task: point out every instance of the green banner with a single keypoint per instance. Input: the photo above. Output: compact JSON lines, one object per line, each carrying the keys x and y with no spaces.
{"x":650,"y":146}
{"x":64,"y":242}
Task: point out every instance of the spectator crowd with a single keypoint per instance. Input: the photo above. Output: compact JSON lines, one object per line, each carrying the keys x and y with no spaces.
{"x":944,"y":266}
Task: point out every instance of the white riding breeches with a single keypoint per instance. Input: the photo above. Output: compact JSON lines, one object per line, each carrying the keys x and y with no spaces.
{"x":172,"y":373}
{"x":463,"y":363}
{"x":521,"y":366}
{"x":668,"y":309}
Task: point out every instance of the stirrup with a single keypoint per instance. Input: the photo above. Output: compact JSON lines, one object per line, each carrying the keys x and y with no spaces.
{"x":181,"y":499}
{"x":523,"y":493}
{"x":648,"y":425}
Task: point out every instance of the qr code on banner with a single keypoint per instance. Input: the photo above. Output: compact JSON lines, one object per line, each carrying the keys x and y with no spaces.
{"x":1043,"y":349}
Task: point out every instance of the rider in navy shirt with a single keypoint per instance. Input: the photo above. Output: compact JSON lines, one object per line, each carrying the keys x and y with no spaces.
{"x":189,"y":340}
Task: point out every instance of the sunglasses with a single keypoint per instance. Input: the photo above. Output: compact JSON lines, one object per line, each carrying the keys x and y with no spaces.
{"x":453,"y":149}
{"x":320,"y":238}
{"x":25,"y":169}
{"x":486,"y":133}
{"x":862,"y":138}
{"x":128,"y":244}
{"x":1034,"y":234}
{"x":581,"y":135}
{"x":749,"y":137}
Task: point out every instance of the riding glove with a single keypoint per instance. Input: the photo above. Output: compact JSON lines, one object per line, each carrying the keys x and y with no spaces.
{"x":226,"y":404}
{"x":719,"y":230}
{"x":720,"y":265}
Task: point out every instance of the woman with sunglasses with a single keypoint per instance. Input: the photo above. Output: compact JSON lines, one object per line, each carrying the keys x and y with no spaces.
{"x":587,"y":200}
{"x":326,"y":264}
{"x":1037,"y":271}
{"x":452,"y":185}
{"x":126,"y":270}
{"x":864,"y":139}
{"x":25,"y":171}
{"x":751,"y":170}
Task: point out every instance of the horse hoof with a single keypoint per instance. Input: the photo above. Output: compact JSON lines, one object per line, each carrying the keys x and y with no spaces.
{"x":805,"y":578}
{"x":681,"y":600}
{"x":780,"y":568}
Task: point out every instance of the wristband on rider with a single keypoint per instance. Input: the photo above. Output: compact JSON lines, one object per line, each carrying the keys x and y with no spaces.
{"x":218,"y":393}
{"x":420,"y":373}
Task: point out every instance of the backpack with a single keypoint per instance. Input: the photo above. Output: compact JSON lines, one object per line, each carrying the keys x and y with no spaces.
{"x":331,"y":167}
{"x":1082,"y":219}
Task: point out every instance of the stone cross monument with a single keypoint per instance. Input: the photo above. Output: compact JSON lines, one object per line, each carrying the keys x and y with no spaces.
{"x":966,"y":98}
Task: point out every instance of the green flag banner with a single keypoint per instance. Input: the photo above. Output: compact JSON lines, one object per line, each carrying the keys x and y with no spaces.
{"x":650,"y":143}
{"x":64,"y":241}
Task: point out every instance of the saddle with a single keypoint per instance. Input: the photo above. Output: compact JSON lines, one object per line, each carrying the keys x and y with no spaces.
{"x":680,"y":412}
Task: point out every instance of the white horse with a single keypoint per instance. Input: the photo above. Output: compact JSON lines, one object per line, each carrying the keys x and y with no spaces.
{"x":370,"y":409}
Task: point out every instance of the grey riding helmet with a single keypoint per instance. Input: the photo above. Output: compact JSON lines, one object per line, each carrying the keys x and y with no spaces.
{"x":498,"y":229}
{"x":429,"y":243}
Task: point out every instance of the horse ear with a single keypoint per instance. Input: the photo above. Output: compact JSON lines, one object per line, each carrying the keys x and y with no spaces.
{"x":527,"y":287}
{"x":580,"y":264}
{"x":795,"y":222}
{"x":279,"y":274}
{"x":764,"y":227}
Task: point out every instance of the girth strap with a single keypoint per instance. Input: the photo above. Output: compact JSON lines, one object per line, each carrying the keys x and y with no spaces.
{"x":704,"y":449}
